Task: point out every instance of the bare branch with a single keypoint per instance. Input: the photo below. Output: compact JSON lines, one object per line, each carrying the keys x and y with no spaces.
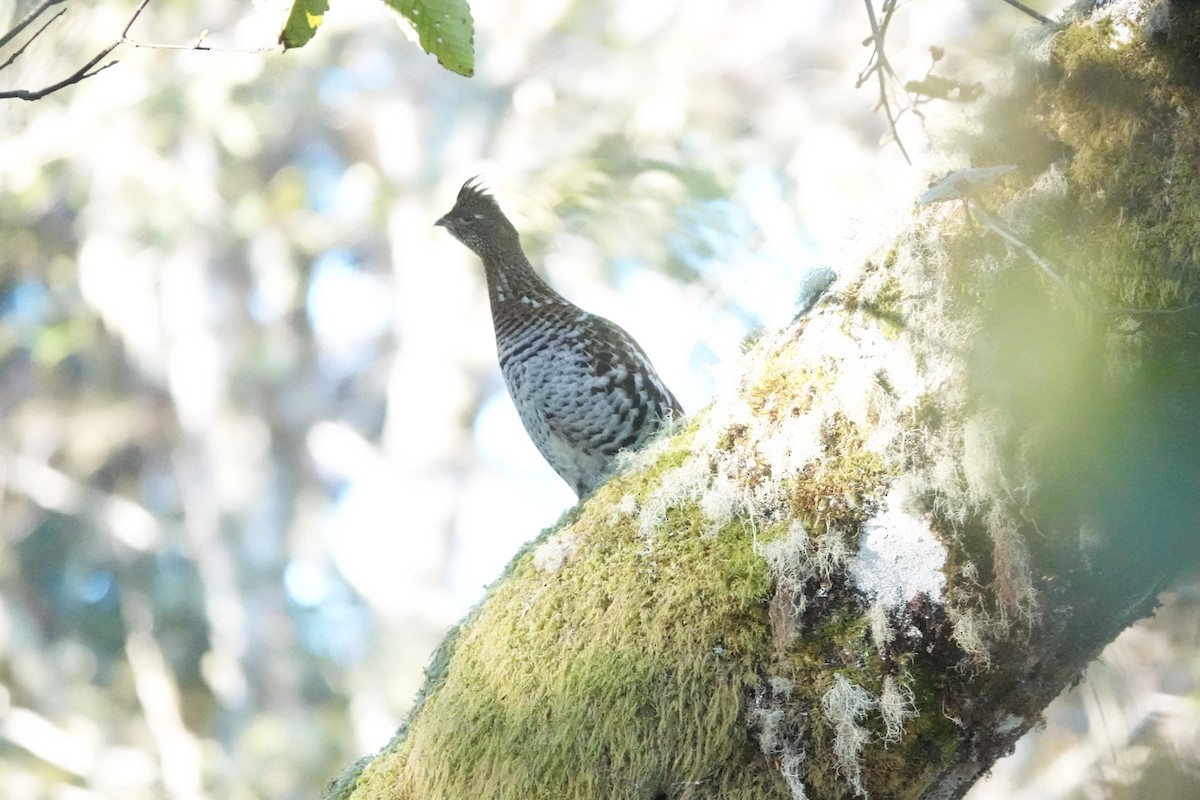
{"x":878,"y":64}
{"x":86,"y":71}
{"x":28,"y":20}
{"x":932,"y":86}
{"x":38,"y":33}
{"x":1022,"y":7}
{"x":196,"y":44}
{"x":93,"y":66}
{"x":137,"y":12}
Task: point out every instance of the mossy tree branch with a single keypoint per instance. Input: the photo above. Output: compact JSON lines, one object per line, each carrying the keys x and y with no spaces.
{"x":910,"y":523}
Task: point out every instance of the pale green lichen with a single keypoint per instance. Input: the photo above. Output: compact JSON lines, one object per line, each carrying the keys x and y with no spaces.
{"x":846,"y":704}
{"x":896,"y":706}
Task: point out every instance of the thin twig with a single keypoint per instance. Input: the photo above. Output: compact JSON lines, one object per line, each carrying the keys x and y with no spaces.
{"x":137,"y":12}
{"x":196,"y":44}
{"x":28,"y":20}
{"x":36,"y":34}
{"x":90,"y":68}
{"x":882,"y":68}
{"x":1017,"y":4}
{"x":86,"y":71}
{"x":995,"y":226}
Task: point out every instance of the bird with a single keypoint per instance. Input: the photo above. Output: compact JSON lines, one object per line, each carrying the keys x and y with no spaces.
{"x":583,"y":388}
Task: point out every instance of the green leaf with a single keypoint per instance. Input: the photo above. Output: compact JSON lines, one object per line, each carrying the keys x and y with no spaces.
{"x":444,"y":28}
{"x":306,"y":16}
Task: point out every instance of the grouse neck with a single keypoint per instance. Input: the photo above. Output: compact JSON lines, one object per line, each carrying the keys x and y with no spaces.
{"x":512,"y":280}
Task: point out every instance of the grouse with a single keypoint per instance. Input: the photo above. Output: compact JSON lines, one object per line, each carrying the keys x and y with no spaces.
{"x":582,"y":386}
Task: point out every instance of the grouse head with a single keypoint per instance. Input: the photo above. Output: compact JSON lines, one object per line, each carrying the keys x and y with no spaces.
{"x":477,"y":221}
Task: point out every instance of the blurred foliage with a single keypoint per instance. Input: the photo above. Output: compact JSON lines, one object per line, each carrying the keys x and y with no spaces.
{"x":444,"y":28}
{"x":247,"y":461}
{"x":302,"y":22}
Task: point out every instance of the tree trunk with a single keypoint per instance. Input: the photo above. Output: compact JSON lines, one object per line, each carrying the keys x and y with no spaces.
{"x":916,"y":516}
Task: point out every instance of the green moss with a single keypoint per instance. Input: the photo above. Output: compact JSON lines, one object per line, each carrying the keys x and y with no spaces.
{"x":621,"y":674}
{"x":1135,"y":163}
{"x":1128,"y":234}
{"x":626,"y":672}
{"x":733,"y":436}
{"x":886,"y":307}
{"x":840,"y":489}
{"x":779,"y":391}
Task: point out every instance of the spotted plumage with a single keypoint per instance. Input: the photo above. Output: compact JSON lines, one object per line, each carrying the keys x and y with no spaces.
{"x":582,"y":386}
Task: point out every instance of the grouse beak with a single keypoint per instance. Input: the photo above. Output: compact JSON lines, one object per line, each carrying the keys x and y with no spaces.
{"x":443,"y":222}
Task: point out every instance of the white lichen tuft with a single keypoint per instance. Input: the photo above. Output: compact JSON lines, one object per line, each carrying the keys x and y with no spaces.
{"x":767,"y":722}
{"x":685,"y":483}
{"x":789,"y":562}
{"x":899,"y":555}
{"x":768,"y":718}
{"x":982,"y":463}
{"x":789,"y":768}
{"x":651,"y":451}
{"x":781,"y":686}
{"x":881,"y":628}
{"x":1013,"y":578}
{"x":1029,"y":207}
{"x":968,"y":635}
{"x":720,"y":503}
{"x":896,"y":704}
{"x":793,"y":445}
{"x":1010,"y":724}
{"x":552,"y":554}
{"x":845,"y":705}
{"x":1123,"y":16}
{"x":833,"y":552}
{"x":627,"y":506}
{"x":796,"y":558}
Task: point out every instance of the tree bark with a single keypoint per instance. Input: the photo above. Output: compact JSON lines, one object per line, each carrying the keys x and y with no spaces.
{"x":916,"y":515}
